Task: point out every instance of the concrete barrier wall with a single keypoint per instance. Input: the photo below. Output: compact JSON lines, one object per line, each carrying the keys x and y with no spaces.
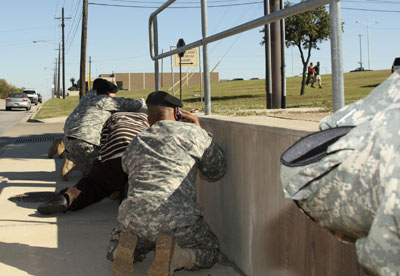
{"x":259,"y":230}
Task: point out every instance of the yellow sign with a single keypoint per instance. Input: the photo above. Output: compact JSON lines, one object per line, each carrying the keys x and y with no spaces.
{"x":190,"y":59}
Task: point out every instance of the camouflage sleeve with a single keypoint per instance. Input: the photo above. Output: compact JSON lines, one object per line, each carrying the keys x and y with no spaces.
{"x":125,"y":105}
{"x":114,"y":239}
{"x":213,"y":164}
{"x":379,"y":252}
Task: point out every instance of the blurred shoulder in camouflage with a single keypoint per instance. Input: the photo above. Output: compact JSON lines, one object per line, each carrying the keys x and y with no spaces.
{"x":83,"y":126}
{"x":162,"y":163}
{"x":354,"y":190}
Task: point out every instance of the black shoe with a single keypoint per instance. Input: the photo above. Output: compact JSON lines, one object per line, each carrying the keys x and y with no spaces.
{"x":312,"y":86}
{"x":59,"y":204}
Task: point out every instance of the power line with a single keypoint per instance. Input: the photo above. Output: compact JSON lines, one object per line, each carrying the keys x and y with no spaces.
{"x":72,"y":5}
{"x":177,"y":7}
{"x":372,"y":2}
{"x":238,"y":19}
{"x":76,"y":29}
{"x":73,"y":22}
{"x":180,"y":2}
{"x":55,"y":13}
{"x":370,"y":10}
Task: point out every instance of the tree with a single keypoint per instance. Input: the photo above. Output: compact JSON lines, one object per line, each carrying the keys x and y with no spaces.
{"x":305,"y":31}
{"x":74,"y":85}
{"x":6,"y":88}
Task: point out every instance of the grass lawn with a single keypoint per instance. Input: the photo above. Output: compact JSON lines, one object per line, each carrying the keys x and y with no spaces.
{"x":230,"y":97}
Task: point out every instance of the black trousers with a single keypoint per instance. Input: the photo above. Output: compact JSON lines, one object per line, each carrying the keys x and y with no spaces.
{"x":103,"y":179}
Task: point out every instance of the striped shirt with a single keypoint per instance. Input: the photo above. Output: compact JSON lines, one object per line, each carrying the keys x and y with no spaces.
{"x":118,"y":131}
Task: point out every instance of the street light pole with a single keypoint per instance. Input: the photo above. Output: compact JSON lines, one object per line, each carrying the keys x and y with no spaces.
{"x":367,"y":25}
{"x":369,"y":64}
{"x":360,"y":52}
{"x":63,"y":53}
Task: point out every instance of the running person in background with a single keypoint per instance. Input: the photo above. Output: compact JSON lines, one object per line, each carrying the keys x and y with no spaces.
{"x":317,"y":76}
{"x":310,"y":74}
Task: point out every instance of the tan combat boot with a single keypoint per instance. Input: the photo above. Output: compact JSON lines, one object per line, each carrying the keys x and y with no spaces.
{"x":53,"y":148}
{"x":60,"y":148}
{"x":170,"y":257}
{"x":123,"y":255}
{"x":57,"y":147}
{"x":66,"y":168}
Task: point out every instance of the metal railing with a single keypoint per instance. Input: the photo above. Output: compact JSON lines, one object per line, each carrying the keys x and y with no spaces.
{"x":335,"y":37}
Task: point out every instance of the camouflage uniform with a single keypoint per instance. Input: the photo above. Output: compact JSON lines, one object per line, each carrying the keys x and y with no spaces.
{"x":354,"y":191}
{"x":83,"y":126}
{"x":162,"y":164}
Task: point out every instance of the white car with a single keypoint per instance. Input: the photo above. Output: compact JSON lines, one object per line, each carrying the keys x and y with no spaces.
{"x":18,"y":100}
{"x":32,"y":95}
{"x":396,"y":64}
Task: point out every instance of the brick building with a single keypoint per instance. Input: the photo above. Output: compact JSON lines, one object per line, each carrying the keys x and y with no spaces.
{"x":132,"y":81}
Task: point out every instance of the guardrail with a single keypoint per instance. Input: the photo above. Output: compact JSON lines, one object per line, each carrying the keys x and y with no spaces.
{"x":335,"y":37}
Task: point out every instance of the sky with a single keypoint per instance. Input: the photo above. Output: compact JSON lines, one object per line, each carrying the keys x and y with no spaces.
{"x":118,"y":38}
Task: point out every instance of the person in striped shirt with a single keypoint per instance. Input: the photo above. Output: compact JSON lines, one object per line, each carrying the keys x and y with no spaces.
{"x":106,"y":177}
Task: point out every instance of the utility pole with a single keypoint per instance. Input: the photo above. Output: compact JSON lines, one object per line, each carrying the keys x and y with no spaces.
{"x":63,"y":51}
{"x":90,"y":72}
{"x":59,"y":70}
{"x":360,"y":52}
{"x":55,"y":79}
{"x":83,"y":49}
{"x":63,"y":47}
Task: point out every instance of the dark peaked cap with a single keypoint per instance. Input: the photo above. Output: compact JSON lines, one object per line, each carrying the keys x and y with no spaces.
{"x":103,"y":86}
{"x":162,"y":98}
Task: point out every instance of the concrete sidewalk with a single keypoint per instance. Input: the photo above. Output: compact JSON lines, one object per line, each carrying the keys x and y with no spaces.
{"x":67,"y":244}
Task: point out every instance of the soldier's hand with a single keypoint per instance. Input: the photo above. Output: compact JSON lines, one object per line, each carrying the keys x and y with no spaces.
{"x":189,"y":117}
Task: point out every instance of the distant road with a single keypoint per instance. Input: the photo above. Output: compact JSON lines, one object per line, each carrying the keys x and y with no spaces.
{"x":10,"y":118}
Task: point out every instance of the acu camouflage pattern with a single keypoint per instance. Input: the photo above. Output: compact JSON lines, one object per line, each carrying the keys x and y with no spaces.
{"x":355,"y":190}
{"x":162,"y":164}
{"x":380,"y":98}
{"x":87,"y":120}
{"x":81,"y":153}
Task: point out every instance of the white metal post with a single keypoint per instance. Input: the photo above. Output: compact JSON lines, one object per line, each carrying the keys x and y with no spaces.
{"x":336,"y":54}
{"x":200,"y":77}
{"x":204,"y":28}
{"x":172,"y":72}
{"x":283,"y":58}
{"x":156,"y":66}
{"x":369,"y":64}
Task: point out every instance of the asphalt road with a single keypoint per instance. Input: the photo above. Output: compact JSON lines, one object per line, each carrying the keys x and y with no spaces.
{"x":10,"y":118}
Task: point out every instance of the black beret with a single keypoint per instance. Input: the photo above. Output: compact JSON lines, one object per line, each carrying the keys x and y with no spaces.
{"x":103,"y":86}
{"x":162,"y":98}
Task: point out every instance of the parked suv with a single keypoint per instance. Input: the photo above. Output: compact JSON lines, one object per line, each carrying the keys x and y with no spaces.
{"x":358,"y":69}
{"x":32,"y":95}
{"x":396,"y":64}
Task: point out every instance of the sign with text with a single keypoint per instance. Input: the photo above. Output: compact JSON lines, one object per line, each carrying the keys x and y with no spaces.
{"x":190,"y":59}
